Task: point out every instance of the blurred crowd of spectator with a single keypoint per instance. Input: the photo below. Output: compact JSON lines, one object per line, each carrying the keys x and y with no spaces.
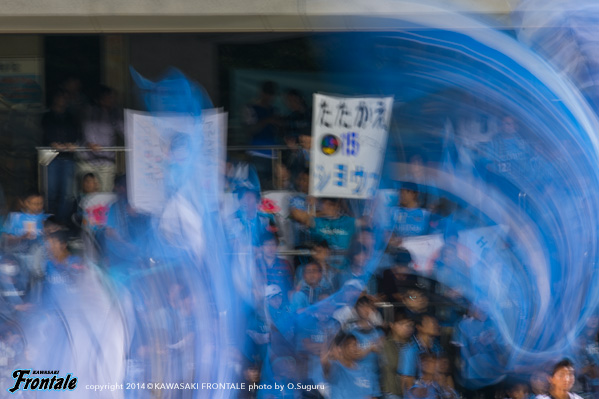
{"x":344,"y":314}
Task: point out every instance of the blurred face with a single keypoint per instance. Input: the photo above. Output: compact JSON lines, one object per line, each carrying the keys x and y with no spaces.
{"x":443,"y":365}
{"x":428,"y":366}
{"x":249,"y":201}
{"x":330,"y":208}
{"x":107,"y":100}
{"x":509,"y":125}
{"x":519,"y":392}
{"x":351,"y":349}
{"x":59,"y":103}
{"x":276,"y":301}
{"x":302,"y":182}
{"x":403,"y":329}
{"x":563,"y":379}
{"x":366,"y":238}
{"x":360,"y":260}
{"x":407,"y":197}
{"x":269,"y":249}
{"x":539,"y":382}
{"x":312,"y":275}
{"x":252,"y":374}
{"x":429,"y":327}
{"x":449,"y":254}
{"x":305,"y":141}
{"x":55,"y":247}
{"x":364,"y":311}
{"x":34,"y":204}
{"x":416,"y":301}
{"x":90,"y":185}
{"x":320,"y":254}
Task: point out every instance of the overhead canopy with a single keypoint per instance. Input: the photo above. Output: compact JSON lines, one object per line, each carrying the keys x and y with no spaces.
{"x":104,"y":16}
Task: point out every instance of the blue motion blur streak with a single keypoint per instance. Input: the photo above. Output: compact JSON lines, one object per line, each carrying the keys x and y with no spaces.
{"x":537,"y":181}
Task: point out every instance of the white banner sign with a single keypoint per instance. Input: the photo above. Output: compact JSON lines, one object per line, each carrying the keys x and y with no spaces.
{"x":158,"y":156}
{"x":349,"y":137}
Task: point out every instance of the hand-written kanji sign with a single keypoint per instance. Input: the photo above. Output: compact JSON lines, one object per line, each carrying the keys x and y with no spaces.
{"x":349,"y":136}
{"x":154,"y":167}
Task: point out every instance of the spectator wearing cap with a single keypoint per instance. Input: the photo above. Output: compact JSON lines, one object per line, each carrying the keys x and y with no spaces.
{"x":277,"y":312}
{"x":280,"y":326}
{"x":274,"y":270}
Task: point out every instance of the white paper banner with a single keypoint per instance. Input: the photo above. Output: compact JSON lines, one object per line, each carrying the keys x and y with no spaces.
{"x":148,"y":160}
{"x":349,"y":137}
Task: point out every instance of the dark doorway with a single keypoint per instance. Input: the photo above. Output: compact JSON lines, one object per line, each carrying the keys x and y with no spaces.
{"x":72,"y":56}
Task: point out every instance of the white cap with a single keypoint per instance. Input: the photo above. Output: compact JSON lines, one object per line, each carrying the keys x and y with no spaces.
{"x":272,"y":290}
{"x":354,"y":283}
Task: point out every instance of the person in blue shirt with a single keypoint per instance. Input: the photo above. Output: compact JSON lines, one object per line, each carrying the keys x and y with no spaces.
{"x":370,"y":339}
{"x":344,"y":372}
{"x":63,"y":269}
{"x":23,"y":229}
{"x":333,"y":225}
{"x":310,"y":289}
{"x":274,"y":270}
{"x":299,"y":209}
{"x":249,"y":224}
{"x":358,"y":256}
{"x":425,"y":387}
{"x":315,"y":331}
{"x":424,"y":341}
{"x":409,"y":219}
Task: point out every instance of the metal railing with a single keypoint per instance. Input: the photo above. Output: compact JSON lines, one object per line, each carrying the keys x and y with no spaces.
{"x":45,"y":156}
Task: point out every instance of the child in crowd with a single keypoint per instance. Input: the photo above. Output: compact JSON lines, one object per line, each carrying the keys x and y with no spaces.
{"x":424,"y":341}
{"x":400,"y":333}
{"x":425,"y":387}
{"x":315,"y":331}
{"x":89,"y":185}
{"x":444,"y":379}
{"x":23,"y":229}
{"x":273,"y":269}
{"x":344,"y":371}
{"x":358,"y":256}
{"x":63,"y":268}
{"x":332,"y":225}
{"x":517,"y":390}
{"x":310,"y":289}
{"x":22,"y":233}
{"x":370,"y":339}
{"x":321,"y":253}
